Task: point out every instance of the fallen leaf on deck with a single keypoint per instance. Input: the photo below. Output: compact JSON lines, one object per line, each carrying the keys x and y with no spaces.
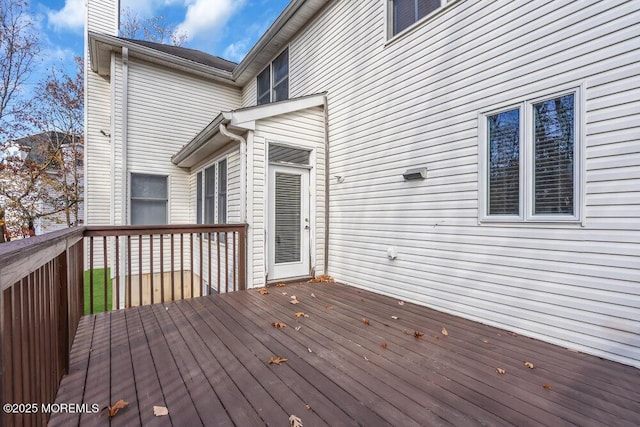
{"x":294,"y":300}
{"x":309,"y":350}
{"x":279,"y":325}
{"x":276,"y":360}
{"x":280,"y":285}
{"x":113,"y":410}
{"x":444,"y":332}
{"x":384,"y":345}
{"x":299,"y":314}
{"x":500,"y":371}
{"x":263,"y":291}
{"x":295,"y":421}
{"x":160,"y":411}
{"x":365,"y":321}
{"x":417,"y":335}
{"x":529,"y":365}
{"x":395,"y":317}
{"x":546,"y":386}
{"x":307,"y":406}
{"x":284,"y":293}
{"x":328,"y":307}
{"x":365,"y":358}
{"x":513,"y":334}
{"x":322,"y":279}
{"x":312,"y":295}
{"x":298,"y":328}
{"x":486,"y":341}
{"x":404,"y":331}
{"x":400,"y":302}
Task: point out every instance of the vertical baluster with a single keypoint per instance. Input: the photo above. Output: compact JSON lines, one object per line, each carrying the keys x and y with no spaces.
{"x":129,"y":272}
{"x":234,"y":265}
{"x":91,"y":274}
{"x":218,"y":254}
{"x":117,"y":242}
{"x":191,"y":261}
{"x":161,"y":267}
{"x":106,"y":266}
{"x":226,"y":262}
{"x":209,"y":284}
{"x":201,"y":266}
{"x":151,"y":264}
{"x":181,"y":266}
{"x":173,"y":285}
{"x":140,"y":301}
{"x":242,"y":260}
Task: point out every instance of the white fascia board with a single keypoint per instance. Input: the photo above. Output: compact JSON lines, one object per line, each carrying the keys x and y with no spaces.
{"x":246,"y":117}
{"x":182,"y":157}
{"x":100,"y":45}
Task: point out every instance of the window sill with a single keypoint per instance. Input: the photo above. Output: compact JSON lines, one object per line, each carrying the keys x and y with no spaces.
{"x":532,"y":222}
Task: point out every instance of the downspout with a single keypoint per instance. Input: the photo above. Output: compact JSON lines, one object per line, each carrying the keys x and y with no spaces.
{"x":124,"y":209}
{"x":326,"y":186}
{"x":243,"y":169}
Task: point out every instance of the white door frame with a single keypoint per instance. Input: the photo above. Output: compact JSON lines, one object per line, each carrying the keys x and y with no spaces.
{"x":300,"y":268}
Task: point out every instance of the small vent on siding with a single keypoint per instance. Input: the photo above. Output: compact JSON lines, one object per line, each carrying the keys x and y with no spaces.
{"x":287,"y":212}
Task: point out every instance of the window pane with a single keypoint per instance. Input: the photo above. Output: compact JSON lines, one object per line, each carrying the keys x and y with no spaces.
{"x":280,"y":153}
{"x":199,"y":198}
{"x":406,"y":12}
{"x":281,"y":76}
{"x":148,"y":212}
{"x":554,"y":155}
{"x":222,"y":192}
{"x":287,"y":218}
{"x":264,"y":86}
{"x":148,"y":186}
{"x":425,"y":7}
{"x":210,"y":195}
{"x":504,"y":163}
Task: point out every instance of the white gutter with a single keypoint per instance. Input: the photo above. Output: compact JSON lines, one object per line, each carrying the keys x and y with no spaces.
{"x":125,"y":179}
{"x":243,"y":169}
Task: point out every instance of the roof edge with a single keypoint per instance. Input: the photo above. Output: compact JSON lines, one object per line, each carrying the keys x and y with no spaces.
{"x":200,"y":139}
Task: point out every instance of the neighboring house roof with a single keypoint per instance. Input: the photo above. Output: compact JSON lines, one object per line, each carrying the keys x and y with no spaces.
{"x":190,"y":54}
{"x":292,"y":19}
{"x":39,"y":146}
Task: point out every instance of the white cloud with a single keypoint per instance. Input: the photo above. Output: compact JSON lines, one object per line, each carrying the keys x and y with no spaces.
{"x":70,"y":17}
{"x":205,"y":17}
{"x":236,"y":51}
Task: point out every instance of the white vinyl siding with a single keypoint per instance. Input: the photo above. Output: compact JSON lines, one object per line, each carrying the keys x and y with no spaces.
{"x":576,"y":285}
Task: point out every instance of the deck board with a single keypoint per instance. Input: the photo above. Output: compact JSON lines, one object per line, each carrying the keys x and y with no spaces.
{"x":206,"y":360}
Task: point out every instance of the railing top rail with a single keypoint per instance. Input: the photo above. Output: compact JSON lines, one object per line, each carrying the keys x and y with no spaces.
{"x":21,"y":257}
{"x":135,"y":230}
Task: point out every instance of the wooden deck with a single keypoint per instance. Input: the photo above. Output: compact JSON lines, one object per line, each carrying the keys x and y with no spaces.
{"x":206,"y":360}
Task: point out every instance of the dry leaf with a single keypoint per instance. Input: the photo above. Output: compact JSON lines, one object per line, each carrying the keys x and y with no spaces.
{"x":280,"y":285}
{"x":529,"y":365}
{"x":384,"y":345}
{"x":484,"y":340}
{"x":500,"y":371}
{"x":395,"y":317}
{"x":309,"y":350}
{"x":365,"y":321}
{"x":295,"y":421}
{"x":113,"y":410}
{"x":300,"y":314}
{"x":307,"y":406}
{"x":294,"y":300}
{"x":322,"y":279}
{"x":513,"y":334}
{"x":312,"y":295}
{"x":404,"y":331}
{"x":298,"y":328}
{"x":417,"y":335}
{"x":365,"y":358}
{"x":276,"y":360}
{"x":284,"y":293}
{"x":400,"y":302}
{"x":160,"y":411}
{"x":279,"y":325}
{"x":444,"y":332}
{"x":328,"y":307}
{"x":546,"y":386}
{"x":263,"y":291}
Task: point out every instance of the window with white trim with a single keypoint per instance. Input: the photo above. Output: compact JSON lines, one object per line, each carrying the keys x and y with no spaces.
{"x":405,"y":13}
{"x":273,"y":82}
{"x":529,"y":161}
{"x":211,"y":194}
{"x":149,"y":199}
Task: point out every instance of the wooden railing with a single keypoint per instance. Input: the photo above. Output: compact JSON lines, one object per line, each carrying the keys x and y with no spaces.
{"x":44,"y":285}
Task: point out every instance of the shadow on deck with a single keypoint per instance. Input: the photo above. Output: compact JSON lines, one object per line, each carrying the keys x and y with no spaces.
{"x":349,"y":363}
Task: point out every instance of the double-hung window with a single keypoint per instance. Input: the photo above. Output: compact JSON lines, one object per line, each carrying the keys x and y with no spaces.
{"x":149,"y":199}
{"x":529,"y":161}
{"x":273,"y":82}
{"x":404,"y":13}
{"x":211,"y":194}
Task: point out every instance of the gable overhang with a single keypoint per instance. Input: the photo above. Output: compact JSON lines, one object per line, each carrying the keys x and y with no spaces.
{"x":102,"y":45}
{"x":292,"y":19}
{"x":211,"y":139}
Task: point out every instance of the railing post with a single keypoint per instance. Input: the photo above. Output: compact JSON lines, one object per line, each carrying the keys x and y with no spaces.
{"x":63,"y":312}
{"x":242,"y":259}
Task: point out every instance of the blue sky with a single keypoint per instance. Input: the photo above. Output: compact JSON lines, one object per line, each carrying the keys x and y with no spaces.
{"x":227,"y":28}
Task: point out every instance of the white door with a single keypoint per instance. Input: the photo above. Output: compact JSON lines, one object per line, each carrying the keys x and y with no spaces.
{"x":289,"y":223}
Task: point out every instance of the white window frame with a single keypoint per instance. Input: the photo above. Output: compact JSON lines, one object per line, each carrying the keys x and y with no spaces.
{"x":216,"y":164}
{"x":526,"y":178}
{"x":390,"y":18}
{"x":272,"y":76}
{"x":130,"y":199}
